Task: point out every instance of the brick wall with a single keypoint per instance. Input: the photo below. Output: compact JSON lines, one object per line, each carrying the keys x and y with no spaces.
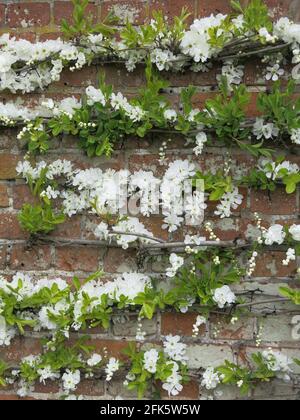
{"x":39,"y":20}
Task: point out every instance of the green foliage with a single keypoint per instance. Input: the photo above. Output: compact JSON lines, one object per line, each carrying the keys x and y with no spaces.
{"x":13,"y":305}
{"x":292,"y":294}
{"x":198,"y":280}
{"x":39,"y":219}
{"x":143,"y":379}
{"x":215,"y":184}
{"x":280,"y":107}
{"x":36,"y":137}
{"x":82,"y":22}
{"x":226,"y":115}
{"x":245,"y":378}
{"x":255,"y":15}
{"x":258,"y":178}
{"x":147,"y":34}
{"x":3,"y":369}
{"x":150,"y":301}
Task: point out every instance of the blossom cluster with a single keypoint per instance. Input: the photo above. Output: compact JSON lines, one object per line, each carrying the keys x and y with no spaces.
{"x":173,"y":357}
{"x":75,"y":306}
{"x":26,"y":66}
{"x":115,"y":192}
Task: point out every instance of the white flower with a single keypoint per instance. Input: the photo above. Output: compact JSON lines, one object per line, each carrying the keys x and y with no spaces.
{"x":210,"y":378}
{"x":102,"y":231}
{"x":174,"y":348}
{"x":201,"y":139}
{"x":234,"y":74}
{"x":295,"y":136}
{"x":266,"y":130}
{"x":150,"y":360}
{"x":94,"y":96}
{"x":94,"y":360}
{"x":224,"y":296}
{"x":70,"y":380}
{"x":6,"y":333}
{"x":274,"y":72}
{"x":173,"y":383}
{"x":278,"y":362}
{"x":263,"y":32}
{"x":195,"y":42}
{"x":275,"y":234}
{"x":295,"y":232}
{"x":47,"y":373}
{"x":230,"y":200}
{"x":111,"y":367}
{"x":176,"y":262}
{"x":50,"y":193}
{"x":170,"y":115}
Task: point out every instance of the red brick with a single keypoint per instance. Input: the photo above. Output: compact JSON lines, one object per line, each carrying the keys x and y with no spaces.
{"x":116,"y":257}
{"x":10,"y":228}
{"x":21,"y":194}
{"x":33,"y":14}
{"x":221,"y":328}
{"x":64,"y":10}
{"x":206,"y":8}
{"x":90,"y":387}
{"x":69,"y":229}
{"x":4,"y":202}
{"x":2,"y":14}
{"x":114,"y":348}
{"x":77,"y":258}
{"x":269,"y":264}
{"x":11,"y":397}
{"x":85,"y":77}
{"x":190,"y":391}
{"x":20,"y":347}
{"x":117,"y":76}
{"x":8,"y":163}
{"x":3,"y":250}
{"x":36,"y":258}
{"x":48,"y":388}
{"x":277,"y":202}
{"x":133,"y":10}
{"x":173,"y":8}
{"x":181,"y":324}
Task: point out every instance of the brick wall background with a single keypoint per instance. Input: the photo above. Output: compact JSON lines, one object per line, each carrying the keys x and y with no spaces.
{"x":38,"y":20}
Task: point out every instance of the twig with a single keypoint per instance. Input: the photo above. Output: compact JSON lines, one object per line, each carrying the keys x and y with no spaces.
{"x":255,"y":52}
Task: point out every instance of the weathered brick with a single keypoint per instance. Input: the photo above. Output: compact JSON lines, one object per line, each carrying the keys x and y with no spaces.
{"x":21,"y":194}
{"x":172,"y":8}
{"x":205,"y":355}
{"x":77,"y":258}
{"x":35,"y":258}
{"x":3,"y":250}
{"x":20,"y":347}
{"x":269,"y":264}
{"x":190,"y":391}
{"x":278,"y":202}
{"x":206,"y":8}
{"x":28,"y":14}
{"x":119,"y":260}
{"x":8,"y":163}
{"x":4,"y":201}
{"x":222,"y":328}
{"x":181,"y":324}
{"x":126,"y":325}
{"x":10,"y":227}
{"x":133,"y":11}
{"x":64,"y":10}
{"x":2,"y":14}
{"x":277,"y":329}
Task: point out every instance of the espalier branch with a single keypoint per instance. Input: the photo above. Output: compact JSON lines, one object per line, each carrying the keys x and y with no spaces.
{"x":149,"y":227}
